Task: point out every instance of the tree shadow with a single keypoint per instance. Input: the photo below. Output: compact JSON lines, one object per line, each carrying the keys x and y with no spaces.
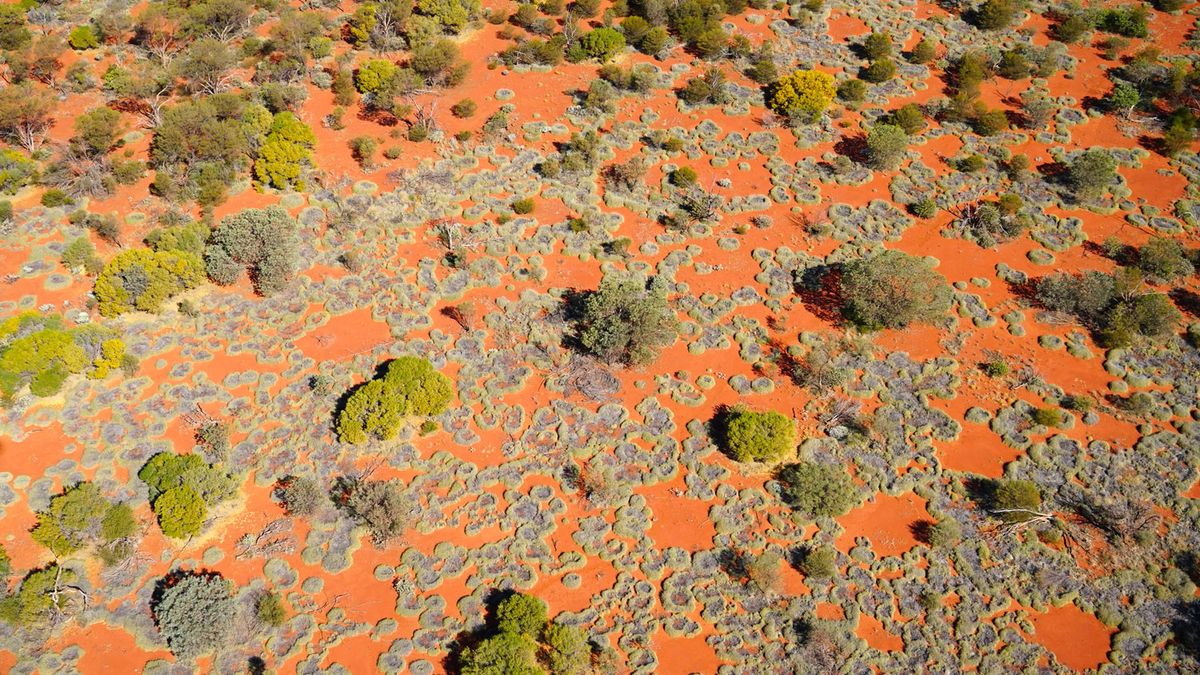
{"x":470,"y":638}
{"x":982,"y":491}
{"x":854,"y":147}
{"x":819,"y":291}
{"x":1186,"y":300}
{"x":921,"y":530}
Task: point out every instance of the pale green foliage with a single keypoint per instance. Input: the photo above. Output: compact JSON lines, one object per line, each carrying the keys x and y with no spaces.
{"x":818,"y":489}
{"x":521,"y":613}
{"x":181,"y":490}
{"x":80,"y":516}
{"x":16,"y":170}
{"x":285,"y":153}
{"x":39,"y":351}
{"x":263,"y":240}
{"x":141,"y":279}
{"x":195,"y":613}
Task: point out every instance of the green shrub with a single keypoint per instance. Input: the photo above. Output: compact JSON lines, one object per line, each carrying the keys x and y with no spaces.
{"x":627,"y":320}
{"x":285,"y":152}
{"x":300,"y":496}
{"x":16,"y":171}
{"x":77,"y":518}
{"x":35,"y":603}
{"x":995,"y":368}
{"x":141,"y":279}
{"x":945,"y":533}
{"x":886,"y":146}
{"x":1090,"y":175}
{"x":464,"y":108}
{"x":181,"y":490}
{"x":521,"y":614}
{"x":53,"y":197}
{"x":503,"y":653}
{"x":926,"y":208}
{"x":523,"y":206}
{"x":373,"y":75}
{"x":750,"y":436}
{"x":1050,"y":417}
{"x":683,"y":177}
{"x":893,"y":290}
{"x":878,"y":71}
{"x":264,"y":241}
{"x":1014,"y":499}
{"x":270,"y":610}
{"x":819,"y":562}
{"x":997,"y":14}
{"x":83,"y":37}
{"x":817,"y":489}
{"x":409,"y":387}
{"x":602,"y":43}
{"x":924,"y":51}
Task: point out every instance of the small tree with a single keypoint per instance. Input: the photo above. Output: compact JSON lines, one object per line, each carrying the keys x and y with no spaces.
{"x":1090,"y":174}
{"x":627,"y":320}
{"x":377,"y":409}
{"x":817,"y":489}
{"x":886,"y":146}
{"x":301,"y":496}
{"x":893,"y":290}
{"x":263,"y":240}
{"x":1017,"y":500}
{"x":749,"y":436}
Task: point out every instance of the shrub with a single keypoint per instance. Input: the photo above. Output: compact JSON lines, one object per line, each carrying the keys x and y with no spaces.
{"x":409,"y":387}
{"x":602,"y":43}
{"x":79,"y":253}
{"x":523,"y":206}
{"x":908,"y":117}
{"x":886,"y":146}
{"x":180,"y":511}
{"x":1128,"y":21}
{"x":373,"y":75}
{"x":880,"y":70}
{"x":817,"y":489}
{"x":363,"y":149}
{"x":16,"y":171}
{"x":749,"y":436}
{"x":819,"y":562}
{"x":83,"y":37}
{"x":995,"y":368}
{"x":626,"y":320}
{"x":269,"y":609}
{"x":683,"y":177}
{"x":1019,"y":496}
{"x":464,"y":108}
{"x":945,"y":533}
{"x":567,"y":649}
{"x":379,"y":506}
{"x":926,"y":208}
{"x":262,"y":240}
{"x":508,"y":653}
{"x":522,"y":614}
{"x":764,"y":572}
{"x":300,"y":496}
{"x":35,"y":602}
{"x":141,"y":279}
{"x":877,"y":46}
{"x":852,"y":91}
{"x":1049,"y":417}
{"x":181,"y":488}
{"x":804,"y":91}
{"x":284,"y":153}
{"x":75,"y":519}
{"x":55,"y":197}
{"x":194,"y":612}
{"x":1163,"y":259}
{"x":893,"y":290}
{"x":997,"y":14}
{"x":971,"y":163}
{"x":1090,"y":174}
{"x":924,"y":51}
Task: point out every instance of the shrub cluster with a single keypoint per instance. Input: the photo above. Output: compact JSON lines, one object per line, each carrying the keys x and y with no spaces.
{"x":408,"y":387}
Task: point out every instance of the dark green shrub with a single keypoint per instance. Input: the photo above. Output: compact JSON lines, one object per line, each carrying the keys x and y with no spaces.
{"x":1049,"y":417}
{"x":819,"y":562}
{"x":626,"y":320}
{"x":945,"y":533}
{"x":818,"y":490}
{"x":887,"y":145}
{"x":521,"y":614}
{"x":880,"y":70}
{"x":926,"y":208}
{"x":852,"y":91}
{"x":270,"y":610}
{"x":1016,"y":499}
{"x":523,"y":206}
{"x":53,"y":197}
{"x":924,"y":51}
{"x":893,"y":290}
{"x":464,"y":108}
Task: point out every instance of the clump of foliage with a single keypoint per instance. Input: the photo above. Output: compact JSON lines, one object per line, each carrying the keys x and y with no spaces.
{"x":376,"y":409}
{"x":285,"y":152}
{"x":40,"y":598}
{"x":194,"y":612}
{"x":1090,"y":174}
{"x":627,"y":320}
{"x":601,"y":44}
{"x":892,"y":290}
{"x":300,"y":496}
{"x":1113,"y":306}
{"x":141,"y":279}
{"x":818,"y":490}
{"x":1014,"y":500}
{"x":39,"y":351}
{"x":886,"y":146}
{"x":264,"y":241}
{"x":378,"y":505}
{"x":182,"y":489}
{"x":803,"y":92}
{"x":751,"y":436}
{"x":270,"y":610}
{"x":523,"y":642}
{"x":81,"y":516}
